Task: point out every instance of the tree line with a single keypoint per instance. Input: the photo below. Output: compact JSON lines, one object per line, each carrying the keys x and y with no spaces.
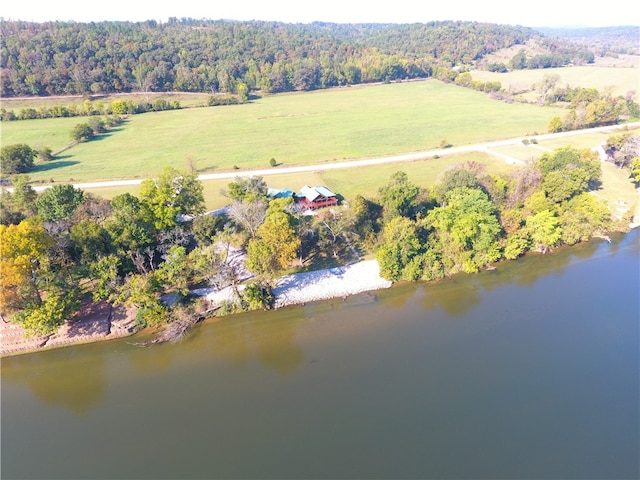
{"x":64,"y":246}
{"x":57,"y":58}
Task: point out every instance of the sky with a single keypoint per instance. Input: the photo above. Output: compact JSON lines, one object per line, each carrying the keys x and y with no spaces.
{"x":538,"y":13}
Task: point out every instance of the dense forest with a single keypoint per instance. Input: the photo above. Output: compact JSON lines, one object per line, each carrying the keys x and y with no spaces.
{"x":58,"y":58}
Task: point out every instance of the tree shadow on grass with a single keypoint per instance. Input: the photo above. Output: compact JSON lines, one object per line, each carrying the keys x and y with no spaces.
{"x":102,"y":136}
{"x":53,"y":165}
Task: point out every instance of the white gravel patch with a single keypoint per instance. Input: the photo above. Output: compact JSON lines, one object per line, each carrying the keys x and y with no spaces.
{"x":330,"y":283}
{"x":300,"y":288}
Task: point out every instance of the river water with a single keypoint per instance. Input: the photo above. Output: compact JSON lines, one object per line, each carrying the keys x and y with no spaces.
{"x":528,"y":371}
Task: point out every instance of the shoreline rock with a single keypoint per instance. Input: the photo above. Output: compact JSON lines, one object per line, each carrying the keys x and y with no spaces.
{"x":94,"y":322}
{"x":101,"y":321}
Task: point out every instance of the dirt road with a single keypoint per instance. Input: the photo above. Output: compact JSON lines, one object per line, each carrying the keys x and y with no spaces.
{"x":409,"y":157}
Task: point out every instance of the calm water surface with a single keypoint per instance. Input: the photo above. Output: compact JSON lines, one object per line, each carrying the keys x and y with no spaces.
{"x":529,"y":371}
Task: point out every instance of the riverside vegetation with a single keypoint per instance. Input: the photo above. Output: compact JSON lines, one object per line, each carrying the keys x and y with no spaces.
{"x":65,"y":245}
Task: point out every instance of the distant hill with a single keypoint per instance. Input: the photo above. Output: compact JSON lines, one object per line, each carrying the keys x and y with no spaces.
{"x":191,"y":55}
{"x":606,"y":40}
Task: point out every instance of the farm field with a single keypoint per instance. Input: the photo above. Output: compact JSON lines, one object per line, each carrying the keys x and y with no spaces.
{"x":186,"y":99}
{"x":622,"y":79}
{"x":345,"y":182}
{"x":294,"y":129}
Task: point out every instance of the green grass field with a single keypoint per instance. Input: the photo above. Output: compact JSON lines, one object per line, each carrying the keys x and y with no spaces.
{"x":295,"y":129}
{"x":345,"y":182}
{"x":185,"y":99}
{"x":621,"y":79}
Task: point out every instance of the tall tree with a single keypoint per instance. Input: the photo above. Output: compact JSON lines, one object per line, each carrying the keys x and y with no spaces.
{"x":398,"y":195}
{"x":23,"y":258}
{"x":59,"y":202}
{"x":399,"y":254}
{"x":467,"y":229}
{"x":545,"y":231}
{"x":173,"y":193}
{"x":275,"y":246}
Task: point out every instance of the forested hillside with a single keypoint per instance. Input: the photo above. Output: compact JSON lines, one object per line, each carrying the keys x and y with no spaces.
{"x":223,"y":56}
{"x":604,"y":40}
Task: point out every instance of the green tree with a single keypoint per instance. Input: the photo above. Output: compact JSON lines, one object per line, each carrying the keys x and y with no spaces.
{"x":104,"y":271}
{"x":46,"y":318}
{"x":568,"y":171}
{"x":467,"y":230}
{"x":247,"y":189}
{"x":634,"y":167}
{"x":129,"y":229}
{"x":45,"y":154}
{"x":91,"y":241}
{"x":583,"y":217}
{"x":206,"y":227}
{"x":399,"y":254}
{"x":174,"y":193}
{"x":456,"y":177}
{"x":19,"y":204}
{"x":16,"y":158}
{"x":275,"y":246}
{"x":82,"y":132}
{"x":397,"y":197}
{"x":519,"y":61}
{"x":517,"y":244}
{"x":59,"y":202}
{"x":545,"y":231}
{"x":143,"y":292}
{"x":368,"y":215}
{"x":175,"y":271}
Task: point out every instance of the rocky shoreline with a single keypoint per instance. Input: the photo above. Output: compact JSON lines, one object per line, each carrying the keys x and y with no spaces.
{"x":94,"y":322}
{"x":102,"y":321}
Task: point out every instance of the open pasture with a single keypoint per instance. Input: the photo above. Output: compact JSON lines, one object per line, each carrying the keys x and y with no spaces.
{"x":622,"y":79}
{"x":294,"y":129}
{"x":186,"y":99}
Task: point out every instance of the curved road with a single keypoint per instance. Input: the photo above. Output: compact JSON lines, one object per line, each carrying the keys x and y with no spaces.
{"x":483,"y":147}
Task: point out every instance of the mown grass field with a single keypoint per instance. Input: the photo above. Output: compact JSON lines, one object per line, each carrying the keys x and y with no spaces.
{"x":621,"y":79}
{"x":185,"y":99}
{"x":295,"y":129}
{"x":347,"y":183}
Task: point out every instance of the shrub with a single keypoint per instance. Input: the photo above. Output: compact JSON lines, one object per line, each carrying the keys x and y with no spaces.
{"x":258,"y":296}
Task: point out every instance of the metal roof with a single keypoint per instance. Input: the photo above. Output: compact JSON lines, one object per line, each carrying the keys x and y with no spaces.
{"x":311,"y":193}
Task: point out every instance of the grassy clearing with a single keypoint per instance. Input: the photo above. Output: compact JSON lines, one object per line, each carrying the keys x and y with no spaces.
{"x":589,"y":140}
{"x":185,"y":99}
{"x":618,"y":190}
{"x":295,"y":129}
{"x":55,"y":134}
{"x":620,"y":79}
